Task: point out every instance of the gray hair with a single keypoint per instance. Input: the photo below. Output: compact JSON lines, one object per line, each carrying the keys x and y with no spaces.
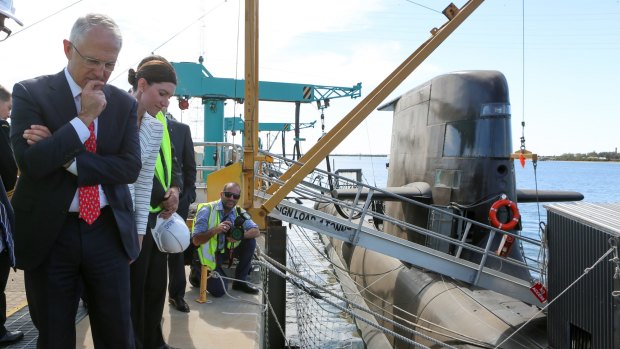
{"x":84,"y":24}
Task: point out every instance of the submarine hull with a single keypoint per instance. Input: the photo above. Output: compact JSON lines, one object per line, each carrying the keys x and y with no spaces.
{"x":452,"y":135}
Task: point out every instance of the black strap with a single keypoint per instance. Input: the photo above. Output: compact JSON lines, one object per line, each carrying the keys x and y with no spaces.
{"x":163,"y":163}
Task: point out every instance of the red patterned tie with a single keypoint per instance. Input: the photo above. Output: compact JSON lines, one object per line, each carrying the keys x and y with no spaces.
{"x":89,"y":196}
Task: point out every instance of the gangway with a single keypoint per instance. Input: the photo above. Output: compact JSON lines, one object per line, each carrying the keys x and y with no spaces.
{"x":354,"y":231}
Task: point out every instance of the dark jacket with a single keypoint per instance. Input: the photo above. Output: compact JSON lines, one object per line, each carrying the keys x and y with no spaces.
{"x":181,"y":137}
{"x":45,"y":190}
{"x":8,"y":167}
{"x":7,"y":224}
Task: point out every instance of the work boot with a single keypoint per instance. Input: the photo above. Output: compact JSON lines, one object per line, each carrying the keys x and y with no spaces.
{"x":244,"y":287}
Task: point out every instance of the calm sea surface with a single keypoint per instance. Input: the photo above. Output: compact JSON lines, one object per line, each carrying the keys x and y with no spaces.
{"x":597,"y":181}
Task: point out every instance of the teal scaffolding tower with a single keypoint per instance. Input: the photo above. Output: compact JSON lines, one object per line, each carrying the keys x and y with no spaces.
{"x":195,"y":81}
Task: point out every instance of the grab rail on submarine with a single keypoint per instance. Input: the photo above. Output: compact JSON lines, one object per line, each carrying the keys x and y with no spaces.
{"x":486,"y":272}
{"x":421,"y":190}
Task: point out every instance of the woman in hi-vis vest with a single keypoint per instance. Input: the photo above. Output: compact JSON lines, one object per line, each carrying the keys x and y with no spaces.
{"x":156,"y":194}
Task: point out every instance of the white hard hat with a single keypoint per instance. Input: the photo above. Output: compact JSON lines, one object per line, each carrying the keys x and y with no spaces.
{"x":7,"y":9}
{"x":171,"y":235}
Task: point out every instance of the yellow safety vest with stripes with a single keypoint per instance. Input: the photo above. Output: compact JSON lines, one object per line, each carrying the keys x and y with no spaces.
{"x":163,"y":174}
{"x":208,"y":251}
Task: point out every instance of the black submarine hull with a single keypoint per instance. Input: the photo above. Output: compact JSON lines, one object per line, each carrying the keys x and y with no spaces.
{"x":451,"y":146}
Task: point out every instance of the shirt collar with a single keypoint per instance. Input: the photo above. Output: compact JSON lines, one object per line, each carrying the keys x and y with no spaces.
{"x":220,"y":208}
{"x":75,"y":88}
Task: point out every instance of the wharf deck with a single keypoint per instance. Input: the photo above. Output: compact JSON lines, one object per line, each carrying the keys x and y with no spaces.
{"x":221,"y":323}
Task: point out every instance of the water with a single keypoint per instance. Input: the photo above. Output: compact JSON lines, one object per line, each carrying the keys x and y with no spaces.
{"x":595,"y":180}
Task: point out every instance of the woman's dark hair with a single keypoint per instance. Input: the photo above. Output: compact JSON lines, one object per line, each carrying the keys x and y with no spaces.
{"x":153,"y":69}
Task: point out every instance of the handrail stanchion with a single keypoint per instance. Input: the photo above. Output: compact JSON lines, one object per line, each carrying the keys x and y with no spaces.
{"x":356,"y":236}
{"x":356,"y":200}
{"x":463,"y":239}
{"x":484,"y":257}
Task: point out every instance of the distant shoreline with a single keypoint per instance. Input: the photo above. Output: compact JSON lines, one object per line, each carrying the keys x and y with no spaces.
{"x":362,"y":155}
{"x":540,"y":158}
{"x":358,"y":155}
{"x":566,"y":160}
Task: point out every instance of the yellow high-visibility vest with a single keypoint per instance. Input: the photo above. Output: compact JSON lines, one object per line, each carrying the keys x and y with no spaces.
{"x":163,"y":174}
{"x":207,"y":251}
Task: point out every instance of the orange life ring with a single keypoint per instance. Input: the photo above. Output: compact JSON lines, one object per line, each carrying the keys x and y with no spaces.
{"x":515,"y":214}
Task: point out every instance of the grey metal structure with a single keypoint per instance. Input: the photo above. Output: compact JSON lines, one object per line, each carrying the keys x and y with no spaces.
{"x":588,"y":314}
{"x":484,"y":309}
{"x":358,"y":234}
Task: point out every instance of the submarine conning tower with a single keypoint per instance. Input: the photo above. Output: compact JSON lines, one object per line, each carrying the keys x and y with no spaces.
{"x":454,"y":134}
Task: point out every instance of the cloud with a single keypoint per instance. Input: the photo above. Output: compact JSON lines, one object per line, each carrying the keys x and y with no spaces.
{"x":570,"y":85}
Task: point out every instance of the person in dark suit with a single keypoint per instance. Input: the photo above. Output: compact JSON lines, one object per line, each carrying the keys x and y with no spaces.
{"x":6,"y":103}
{"x":8,"y":171}
{"x":181,"y":137}
{"x":8,"y":167}
{"x":75,"y":140}
{"x":7,"y":256}
{"x":7,"y":260}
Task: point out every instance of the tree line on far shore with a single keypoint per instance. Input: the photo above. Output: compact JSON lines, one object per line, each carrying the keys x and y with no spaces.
{"x":591,"y":156}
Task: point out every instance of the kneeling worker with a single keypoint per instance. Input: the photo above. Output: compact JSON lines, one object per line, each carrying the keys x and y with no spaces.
{"x":223,"y":230}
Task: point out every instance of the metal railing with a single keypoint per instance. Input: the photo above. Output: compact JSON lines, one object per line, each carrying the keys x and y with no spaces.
{"x":224,"y":152}
{"x":352,"y":229}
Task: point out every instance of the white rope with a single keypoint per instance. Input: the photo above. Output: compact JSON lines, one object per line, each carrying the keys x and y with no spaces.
{"x":275,"y":317}
{"x":272,"y":264}
{"x":215,"y":274}
{"x":585,"y":272}
{"x":616,"y":261}
{"x":449,"y":333}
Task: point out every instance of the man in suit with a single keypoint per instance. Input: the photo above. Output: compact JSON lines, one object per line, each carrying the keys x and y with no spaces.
{"x":8,"y":167}
{"x":181,"y":138}
{"x":6,"y":103}
{"x":75,"y":139}
{"x":7,"y":259}
{"x":9,"y":170}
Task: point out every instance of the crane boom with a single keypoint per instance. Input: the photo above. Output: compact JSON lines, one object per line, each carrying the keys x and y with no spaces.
{"x":194,"y":80}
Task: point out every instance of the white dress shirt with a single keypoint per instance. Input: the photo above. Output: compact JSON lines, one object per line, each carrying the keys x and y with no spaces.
{"x":83,"y":133}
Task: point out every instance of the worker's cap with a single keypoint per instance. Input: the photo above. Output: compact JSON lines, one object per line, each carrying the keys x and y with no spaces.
{"x":7,"y":9}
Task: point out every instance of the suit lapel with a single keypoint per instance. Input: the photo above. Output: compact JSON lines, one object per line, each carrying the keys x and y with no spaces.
{"x":62,"y":100}
{"x":107,"y":124}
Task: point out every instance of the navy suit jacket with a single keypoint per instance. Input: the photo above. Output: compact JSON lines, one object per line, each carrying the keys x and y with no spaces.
{"x":8,"y":167}
{"x":45,"y":188}
{"x":181,"y":138}
{"x":7,"y":229}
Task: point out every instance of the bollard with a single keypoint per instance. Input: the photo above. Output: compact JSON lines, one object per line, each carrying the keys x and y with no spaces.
{"x":202,"y":298}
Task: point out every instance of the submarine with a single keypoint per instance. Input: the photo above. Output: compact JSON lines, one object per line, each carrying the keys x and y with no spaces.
{"x":451,"y":149}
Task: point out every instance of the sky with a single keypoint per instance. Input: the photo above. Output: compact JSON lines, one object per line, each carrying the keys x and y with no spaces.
{"x":560,"y":58}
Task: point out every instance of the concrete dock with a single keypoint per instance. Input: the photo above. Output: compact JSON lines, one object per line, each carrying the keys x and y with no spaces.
{"x":233,"y":321}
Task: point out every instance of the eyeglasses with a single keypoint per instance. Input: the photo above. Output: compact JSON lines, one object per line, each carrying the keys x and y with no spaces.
{"x":233,"y":195}
{"x":95,"y":63}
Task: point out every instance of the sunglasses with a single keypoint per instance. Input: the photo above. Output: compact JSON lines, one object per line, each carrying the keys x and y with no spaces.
{"x":233,"y":195}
